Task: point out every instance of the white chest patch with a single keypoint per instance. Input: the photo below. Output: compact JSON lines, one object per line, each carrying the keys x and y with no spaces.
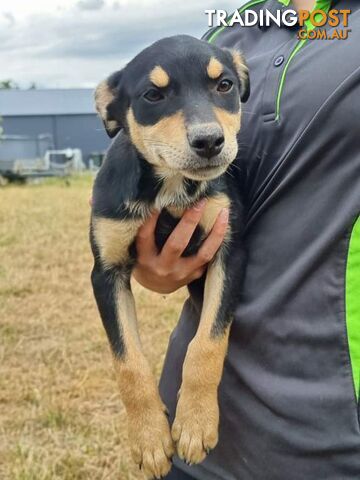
{"x":173,"y":194}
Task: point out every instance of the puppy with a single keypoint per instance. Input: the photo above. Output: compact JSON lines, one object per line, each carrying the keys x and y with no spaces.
{"x":174,"y":112}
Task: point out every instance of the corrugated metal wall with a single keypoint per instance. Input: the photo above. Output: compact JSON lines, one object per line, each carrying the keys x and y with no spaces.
{"x":68,"y":131}
{"x":17,"y":147}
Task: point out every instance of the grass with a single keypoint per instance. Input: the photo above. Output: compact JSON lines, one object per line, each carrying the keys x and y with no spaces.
{"x":60,"y":413}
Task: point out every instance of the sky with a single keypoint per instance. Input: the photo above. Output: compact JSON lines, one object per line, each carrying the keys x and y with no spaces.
{"x":77,"y":43}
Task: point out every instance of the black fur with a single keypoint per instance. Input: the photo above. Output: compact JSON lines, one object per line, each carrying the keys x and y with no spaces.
{"x":126,"y":176}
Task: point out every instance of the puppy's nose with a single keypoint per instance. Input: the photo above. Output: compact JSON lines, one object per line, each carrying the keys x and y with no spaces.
{"x":206,"y":142}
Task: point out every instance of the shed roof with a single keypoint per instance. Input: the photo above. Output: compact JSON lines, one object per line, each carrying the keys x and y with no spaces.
{"x":75,"y":101}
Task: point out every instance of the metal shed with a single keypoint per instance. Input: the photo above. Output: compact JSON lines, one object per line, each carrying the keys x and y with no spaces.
{"x":68,"y":115}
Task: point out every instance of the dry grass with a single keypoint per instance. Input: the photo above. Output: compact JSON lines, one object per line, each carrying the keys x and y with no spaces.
{"x":60,"y":414}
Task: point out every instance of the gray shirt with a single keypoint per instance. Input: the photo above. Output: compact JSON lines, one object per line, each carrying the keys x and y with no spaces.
{"x":289,"y":395}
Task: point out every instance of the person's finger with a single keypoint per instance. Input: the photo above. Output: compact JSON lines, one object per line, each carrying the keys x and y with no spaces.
{"x":195,"y":275}
{"x":145,"y":239}
{"x":182,"y":233}
{"x":211,"y":245}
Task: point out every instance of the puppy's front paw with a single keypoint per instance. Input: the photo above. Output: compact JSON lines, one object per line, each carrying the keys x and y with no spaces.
{"x":195,"y":428}
{"x":151,"y":443}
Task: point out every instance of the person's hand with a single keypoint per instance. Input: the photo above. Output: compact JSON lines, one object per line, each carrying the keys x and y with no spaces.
{"x":167,"y":271}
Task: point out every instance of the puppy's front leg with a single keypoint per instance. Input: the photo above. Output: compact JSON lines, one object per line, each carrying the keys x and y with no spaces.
{"x":195,"y":428}
{"x":149,"y":433}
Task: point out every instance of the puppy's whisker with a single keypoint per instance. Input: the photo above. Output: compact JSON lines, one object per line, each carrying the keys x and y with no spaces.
{"x":233,"y":165}
{"x":229,"y":173}
{"x":151,"y":140}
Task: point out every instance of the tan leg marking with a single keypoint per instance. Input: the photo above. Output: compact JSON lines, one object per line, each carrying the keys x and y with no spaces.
{"x":113,"y":238}
{"x":212,"y":210}
{"x":214,"y":68}
{"x":148,"y":428}
{"x":195,"y":429}
{"x":159,"y":77}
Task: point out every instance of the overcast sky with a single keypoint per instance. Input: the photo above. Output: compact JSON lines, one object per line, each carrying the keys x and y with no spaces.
{"x":75,"y":43}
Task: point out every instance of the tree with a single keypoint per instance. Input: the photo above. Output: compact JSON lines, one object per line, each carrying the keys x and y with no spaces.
{"x":8,"y":85}
{"x":12,"y":85}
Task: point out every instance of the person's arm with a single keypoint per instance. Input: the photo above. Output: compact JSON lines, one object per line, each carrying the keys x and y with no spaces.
{"x":167,"y":271}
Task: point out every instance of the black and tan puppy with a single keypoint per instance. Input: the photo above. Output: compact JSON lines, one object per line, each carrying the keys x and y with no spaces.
{"x":175,"y":114}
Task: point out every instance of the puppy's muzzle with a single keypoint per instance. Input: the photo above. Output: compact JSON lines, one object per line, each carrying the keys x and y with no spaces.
{"x":207,"y":140}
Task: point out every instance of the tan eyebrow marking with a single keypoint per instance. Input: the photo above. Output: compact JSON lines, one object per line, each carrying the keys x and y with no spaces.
{"x":159,"y":77}
{"x":215,"y":68}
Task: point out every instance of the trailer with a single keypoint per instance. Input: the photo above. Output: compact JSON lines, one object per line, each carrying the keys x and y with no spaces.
{"x":23,"y":158}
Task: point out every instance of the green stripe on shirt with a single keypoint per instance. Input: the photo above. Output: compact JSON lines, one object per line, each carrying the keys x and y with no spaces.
{"x":353,"y":304}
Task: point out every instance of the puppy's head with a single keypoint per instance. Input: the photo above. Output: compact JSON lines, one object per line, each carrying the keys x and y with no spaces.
{"x":180,"y":102}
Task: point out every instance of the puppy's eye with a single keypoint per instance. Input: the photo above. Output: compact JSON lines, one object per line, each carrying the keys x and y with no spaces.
{"x":153,"y":95}
{"x":225,"y":86}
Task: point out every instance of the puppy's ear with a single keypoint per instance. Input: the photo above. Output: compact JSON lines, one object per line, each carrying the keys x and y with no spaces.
{"x":242,"y":73}
{"x":108,"y":100}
